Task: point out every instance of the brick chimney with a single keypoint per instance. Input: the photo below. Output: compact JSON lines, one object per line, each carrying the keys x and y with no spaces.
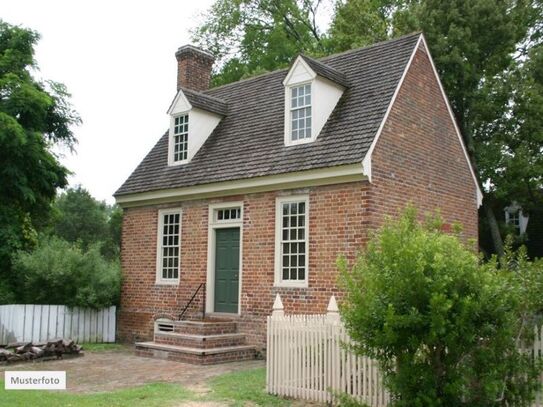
{"x":193,"y":68}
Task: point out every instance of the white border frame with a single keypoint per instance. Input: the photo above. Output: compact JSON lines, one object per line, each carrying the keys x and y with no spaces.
{"x":288,"y":114}
{"x":278,"y":279}
{"x":213,"y":224}
{"x":160,"y":224}
{"x":171,"y":138}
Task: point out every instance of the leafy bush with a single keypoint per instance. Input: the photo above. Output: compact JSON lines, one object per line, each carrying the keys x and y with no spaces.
{"x":444,"y":328}
{"x":59,"y":272}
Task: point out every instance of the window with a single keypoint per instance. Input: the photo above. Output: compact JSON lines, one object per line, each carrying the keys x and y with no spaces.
{"x":169,"y":236}
{"x":291,"y":241}
{"x":180,"y":138}
{"x":300,"y":112}
{"x":227,"y":214}
{"x":513,"y":219}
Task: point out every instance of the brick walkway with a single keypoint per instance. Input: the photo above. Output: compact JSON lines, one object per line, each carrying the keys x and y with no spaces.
{"x":106,"y":371}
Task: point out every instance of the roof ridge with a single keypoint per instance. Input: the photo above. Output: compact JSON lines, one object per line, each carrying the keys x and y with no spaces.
{"x":353,"y":50}
{"x":320,"y":59}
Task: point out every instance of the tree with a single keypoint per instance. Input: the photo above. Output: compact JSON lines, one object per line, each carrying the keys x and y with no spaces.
{"x":249,"y":37}
{"x":481,"y":49}
{"x":34,"y":116}
{"x":445,"y":329}
{"x":59,"y":272}
{"x":79,"y":218}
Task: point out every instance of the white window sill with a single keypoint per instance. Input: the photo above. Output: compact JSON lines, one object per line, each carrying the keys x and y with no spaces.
{"x":291,"y":285}
{"x":303,"y":141}
{"x":167,"y":282}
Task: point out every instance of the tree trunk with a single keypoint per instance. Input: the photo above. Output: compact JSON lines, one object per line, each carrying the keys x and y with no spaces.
{"x":494,"y":229}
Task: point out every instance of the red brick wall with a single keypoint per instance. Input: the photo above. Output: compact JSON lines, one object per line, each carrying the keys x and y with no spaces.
{"x":418,"y":157}
{"x":337,"y":224}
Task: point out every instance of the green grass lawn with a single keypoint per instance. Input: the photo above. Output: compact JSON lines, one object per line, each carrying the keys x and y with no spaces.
{"x":235,"y":389}
{"x":241,"y":387}
{"x":157,"y":394}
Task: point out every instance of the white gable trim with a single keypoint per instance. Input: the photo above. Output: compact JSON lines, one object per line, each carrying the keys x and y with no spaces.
{"x":311,"y":74}
{"x":366,"y":162}
{"x":180,"y":104}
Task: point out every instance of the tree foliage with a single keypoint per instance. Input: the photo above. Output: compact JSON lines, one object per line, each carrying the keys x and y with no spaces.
{"x":253,"y":36}
{"x":34,"y":116}
{"x":59,"y":272}
{"x":445,"y":329}
{"x":487,"y":53}
{"x":79,"y":218}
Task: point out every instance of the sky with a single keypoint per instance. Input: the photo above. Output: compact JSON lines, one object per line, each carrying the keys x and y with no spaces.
{"x":117,"y":60}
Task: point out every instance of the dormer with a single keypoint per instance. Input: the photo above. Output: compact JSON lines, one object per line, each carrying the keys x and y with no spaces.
{"x":193,"y":114}
{"x":312,"y":91}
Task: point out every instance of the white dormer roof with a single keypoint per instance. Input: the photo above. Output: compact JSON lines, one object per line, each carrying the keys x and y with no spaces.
{"x":204,"y":114}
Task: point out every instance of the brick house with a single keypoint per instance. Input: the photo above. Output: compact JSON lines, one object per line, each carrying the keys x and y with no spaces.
{"x":258,"y":186}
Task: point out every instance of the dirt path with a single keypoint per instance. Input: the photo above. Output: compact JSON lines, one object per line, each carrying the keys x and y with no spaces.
{"x":108,"y":370}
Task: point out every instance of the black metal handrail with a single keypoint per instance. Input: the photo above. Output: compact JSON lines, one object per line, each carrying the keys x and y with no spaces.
{"x":192,"y":299}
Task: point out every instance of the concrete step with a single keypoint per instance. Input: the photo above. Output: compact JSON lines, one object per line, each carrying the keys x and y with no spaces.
{"x":199,"y":341}
{"x":195,"y":355}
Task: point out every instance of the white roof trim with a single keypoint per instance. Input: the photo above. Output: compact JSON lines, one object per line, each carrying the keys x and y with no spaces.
{"x":180,"y":95}
{"x":366,"y":162}
{"x":291,"y":180}
{"x":299,"y":60}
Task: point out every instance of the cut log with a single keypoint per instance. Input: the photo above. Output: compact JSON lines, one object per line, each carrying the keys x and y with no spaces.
{"x":13,"y":345}
{"x":37,"y":351}
{"x":24,"y":348}
{"x":14,"y":357}
{"x":68,"y":343}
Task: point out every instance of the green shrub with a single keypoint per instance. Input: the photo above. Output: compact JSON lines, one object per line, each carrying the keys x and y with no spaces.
{"x":59,"y":272}
{"x":444,"y":328}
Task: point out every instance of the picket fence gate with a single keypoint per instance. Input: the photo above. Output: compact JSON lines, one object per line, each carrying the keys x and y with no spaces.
{"x":39,"y":323}
{"x":307,"y":359}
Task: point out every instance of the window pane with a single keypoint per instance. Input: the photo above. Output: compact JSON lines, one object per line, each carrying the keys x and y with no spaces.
{"x":293,"y":240}
{"x":285,"y":274}
{"x":181,"y":130}
{"x":170,"y":246}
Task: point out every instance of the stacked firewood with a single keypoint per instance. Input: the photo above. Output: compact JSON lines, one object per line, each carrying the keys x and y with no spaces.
{"x":55,"y":348}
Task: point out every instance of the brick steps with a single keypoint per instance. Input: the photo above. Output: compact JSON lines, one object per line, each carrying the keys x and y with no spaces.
{"x":198,"y":342}
{"x":195,"y":355}
{"x":204,"y":327}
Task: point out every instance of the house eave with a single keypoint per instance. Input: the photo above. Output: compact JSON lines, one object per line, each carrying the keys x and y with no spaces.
{"x":299,"y":179}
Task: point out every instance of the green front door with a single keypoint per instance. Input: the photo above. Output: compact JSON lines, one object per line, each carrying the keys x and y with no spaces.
{"x":227,"y":270}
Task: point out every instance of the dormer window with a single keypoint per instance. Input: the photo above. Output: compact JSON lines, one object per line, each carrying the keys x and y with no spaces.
{"x":312,"y":90}
{"x":300,"y":112}
{"x":203,"y":112}
{"x":180,"y":138}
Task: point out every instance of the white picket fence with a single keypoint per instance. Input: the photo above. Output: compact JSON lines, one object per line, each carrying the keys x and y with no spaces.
{"x":307,"y":359}
{"x":39,"y":323}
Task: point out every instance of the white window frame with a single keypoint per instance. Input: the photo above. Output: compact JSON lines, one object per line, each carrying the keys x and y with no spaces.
{"x":288,"y":114}
{"x":279,"y":201}
{"x":159,"y":279}
{"x":171,"y":139}
{"x":216,"y":209}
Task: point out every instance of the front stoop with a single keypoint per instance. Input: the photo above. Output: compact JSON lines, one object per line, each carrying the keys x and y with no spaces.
{"x":199,"y":342}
